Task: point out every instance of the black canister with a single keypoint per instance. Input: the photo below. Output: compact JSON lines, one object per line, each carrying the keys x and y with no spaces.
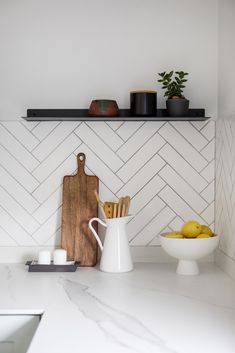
{"x":143,"y":103}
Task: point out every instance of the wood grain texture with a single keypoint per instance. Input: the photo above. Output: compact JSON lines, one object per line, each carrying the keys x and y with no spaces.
{"x":79,"y":206}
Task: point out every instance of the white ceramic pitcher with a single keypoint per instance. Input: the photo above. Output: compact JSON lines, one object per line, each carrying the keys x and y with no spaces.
{"x":116,"y":256}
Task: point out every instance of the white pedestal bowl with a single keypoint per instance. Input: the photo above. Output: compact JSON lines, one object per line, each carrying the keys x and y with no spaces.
{"x":188,"y":251}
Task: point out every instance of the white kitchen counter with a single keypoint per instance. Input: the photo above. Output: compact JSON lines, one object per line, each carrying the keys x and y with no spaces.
{"x":148,"y":310}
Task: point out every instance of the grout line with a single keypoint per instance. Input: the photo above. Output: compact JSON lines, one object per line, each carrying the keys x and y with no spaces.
{"x":25,"y":231}
{"x":146,"y":224}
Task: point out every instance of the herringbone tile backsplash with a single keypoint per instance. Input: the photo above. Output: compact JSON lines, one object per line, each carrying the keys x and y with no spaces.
{"x":225,"y":185}
{"x":166,"y":168}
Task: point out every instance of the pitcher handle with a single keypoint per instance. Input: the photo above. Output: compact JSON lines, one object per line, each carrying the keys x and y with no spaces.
{"x":94,"y":232}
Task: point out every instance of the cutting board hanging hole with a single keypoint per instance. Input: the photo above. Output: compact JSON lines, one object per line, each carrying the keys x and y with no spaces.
{"x":81,"y":158}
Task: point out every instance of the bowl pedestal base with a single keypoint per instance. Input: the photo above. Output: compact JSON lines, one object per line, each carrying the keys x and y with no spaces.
{"x":187,"y":267}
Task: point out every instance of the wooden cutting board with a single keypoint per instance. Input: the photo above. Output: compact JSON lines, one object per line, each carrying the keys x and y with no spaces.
{"x":79,"y":206}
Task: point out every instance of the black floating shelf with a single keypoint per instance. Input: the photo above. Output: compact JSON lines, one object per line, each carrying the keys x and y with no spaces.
{"x":125,"y":115}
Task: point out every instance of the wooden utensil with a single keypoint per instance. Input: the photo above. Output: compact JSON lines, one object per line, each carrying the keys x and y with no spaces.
{"x":123,"y":210}
{"x":115,"y":210}
{"x":100,"y":203}
{"x":126,"y":202}
{"x":79,"y":206}
{"x":119,"y":207}
{"x":108,"y":209}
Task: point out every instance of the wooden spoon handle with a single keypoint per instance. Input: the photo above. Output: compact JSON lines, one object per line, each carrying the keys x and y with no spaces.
{"x":123,"y":213}
{"x":119,"y":210}
{"x":101,"y":206}
{"x":115,"y":210}
{"x":126,"y":202}
{"x":97,"y":196}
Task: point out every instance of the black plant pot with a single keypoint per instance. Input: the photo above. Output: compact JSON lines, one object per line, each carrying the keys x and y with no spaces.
{"x":177,"y":107}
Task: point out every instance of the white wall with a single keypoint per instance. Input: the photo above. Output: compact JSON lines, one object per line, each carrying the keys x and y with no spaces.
{"x":63,"y":53}
{"x":225,"y":141}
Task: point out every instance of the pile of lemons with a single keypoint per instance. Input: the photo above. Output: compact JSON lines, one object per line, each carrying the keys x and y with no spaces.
{"x":191,"y":229}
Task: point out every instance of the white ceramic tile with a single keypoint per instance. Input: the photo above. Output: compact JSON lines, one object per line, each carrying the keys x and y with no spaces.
{"x":20,"y":214}
{"x":22,"y":134}
{"x":148,"y":191}
{"x":57,"y":157}
{"x":225,"y":187}
{"x":142,"y":176}
{"x":105,"y":153}
{"x":9,"y":224}
{"x":178,"y":163}
{"x":105,"y":174}
{"x":54,"y":240}
{"x":192,"y":135}
{"x":208,"y":213}
{"x":176,"y":224}
{"x":144,"y":217}
{"x":181,"y":145}
{"x":209,"y":172}
{"x":6,"y":240}
{"x":106,"y":194}
{"x":49,"y":228}
{"x":209,"y":151}
{"x":141,"y":157}
{"x":49,"y":207}
{"x":199,"y":124}
{"x":177,"y":204}
{"x":209,"y":192}
{"x":126,"y":158}
{"x":115,"y":124}
{"x":17,"y":170}
{"x":105,"y":132}
{"x":128,"y":128}
{"x":30,"y":125}
{"x":17,"y":150}
{"x":43,"y":129}
{"x":154,"y":228}
{"x":47,"y":187}
{"x":137,"y":140}
{"x":54,"y":139}
{"x":22,"y":196}
{"x":183,"y":189}
{"x":208,"y":130}
{"x":226,"y":148}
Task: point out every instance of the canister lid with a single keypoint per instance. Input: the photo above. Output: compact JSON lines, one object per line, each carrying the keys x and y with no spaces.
{"x":143,"y":91}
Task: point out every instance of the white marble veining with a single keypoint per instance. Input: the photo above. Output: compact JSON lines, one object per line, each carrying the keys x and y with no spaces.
{"x":148,"y":310}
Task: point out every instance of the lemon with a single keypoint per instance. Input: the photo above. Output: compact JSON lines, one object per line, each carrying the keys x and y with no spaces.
{"x":174,"y":235}
{"x":206,"y":230}
{"x":191,"y":229}
{"x":203,"y":236}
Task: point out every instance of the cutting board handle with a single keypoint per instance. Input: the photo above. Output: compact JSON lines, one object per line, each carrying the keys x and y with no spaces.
{"x":81,"y":158}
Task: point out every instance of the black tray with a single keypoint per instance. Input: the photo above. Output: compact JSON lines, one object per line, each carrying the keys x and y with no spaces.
{"x":35,"y":267}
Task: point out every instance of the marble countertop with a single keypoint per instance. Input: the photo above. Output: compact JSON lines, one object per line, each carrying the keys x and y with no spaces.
{"x":150,"y":309}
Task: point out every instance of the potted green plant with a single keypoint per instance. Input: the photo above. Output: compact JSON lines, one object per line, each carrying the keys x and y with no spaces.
{"x":173,"y":83}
